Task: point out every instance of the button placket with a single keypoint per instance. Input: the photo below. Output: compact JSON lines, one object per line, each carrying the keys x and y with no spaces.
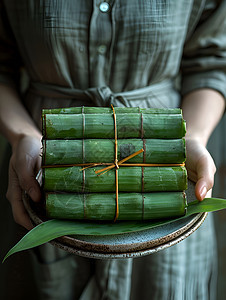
{"x":99,"y":41}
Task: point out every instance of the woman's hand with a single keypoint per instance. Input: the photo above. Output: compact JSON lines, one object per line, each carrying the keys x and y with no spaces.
{"x":24,"y":165}
{"x":200,"y":167}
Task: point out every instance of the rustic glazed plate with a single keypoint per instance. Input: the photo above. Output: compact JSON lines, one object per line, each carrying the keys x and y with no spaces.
{"x":133,"y":244}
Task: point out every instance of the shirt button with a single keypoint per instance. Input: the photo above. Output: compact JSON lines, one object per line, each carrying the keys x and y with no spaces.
{"x":102,"y":49}
{"x":81,"y":49}
{"x":104,"y":7}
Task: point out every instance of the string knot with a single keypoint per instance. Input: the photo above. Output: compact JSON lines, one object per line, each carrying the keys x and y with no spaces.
{"x":116,"y":164}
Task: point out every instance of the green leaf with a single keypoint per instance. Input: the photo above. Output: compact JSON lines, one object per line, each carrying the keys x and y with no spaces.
{"x":52,"y":229}
{"x":207,"y":205}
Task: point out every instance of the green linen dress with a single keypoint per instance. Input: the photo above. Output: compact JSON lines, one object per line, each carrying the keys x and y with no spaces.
{"x":129,"y":53}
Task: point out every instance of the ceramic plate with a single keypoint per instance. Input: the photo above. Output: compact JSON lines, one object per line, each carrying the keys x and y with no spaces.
{"x":133,"y":244}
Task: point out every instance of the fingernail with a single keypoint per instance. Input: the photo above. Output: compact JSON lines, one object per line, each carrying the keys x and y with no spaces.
{"x":203,"y":192}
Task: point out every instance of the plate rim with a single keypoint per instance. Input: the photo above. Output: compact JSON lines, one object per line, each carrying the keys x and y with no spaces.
{"x":132,"y":254}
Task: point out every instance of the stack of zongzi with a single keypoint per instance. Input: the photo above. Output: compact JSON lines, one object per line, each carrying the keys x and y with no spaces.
{"x":79,"y":142}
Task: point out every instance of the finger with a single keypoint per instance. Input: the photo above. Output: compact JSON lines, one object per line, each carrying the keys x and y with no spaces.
{"x":31,"y":186}
{"x":20,"y":215}
{"x":205,"y":173}
{"x":14,"y":194}
{"x":191,"y":174}
{"x":27,"y":180}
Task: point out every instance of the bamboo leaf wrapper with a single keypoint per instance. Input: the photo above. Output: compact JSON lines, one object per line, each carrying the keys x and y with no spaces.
{"x":131,"y":125}
{"x":108,"y":110}
{"x":102,"y":151}
{"x":131,"y":179}
{"x":132,"y":206}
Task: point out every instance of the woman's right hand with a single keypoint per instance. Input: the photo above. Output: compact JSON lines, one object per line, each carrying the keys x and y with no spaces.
{"x":24,"y":165}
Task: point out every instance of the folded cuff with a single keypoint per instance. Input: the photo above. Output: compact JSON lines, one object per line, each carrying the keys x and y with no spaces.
{"x":215,"y":80}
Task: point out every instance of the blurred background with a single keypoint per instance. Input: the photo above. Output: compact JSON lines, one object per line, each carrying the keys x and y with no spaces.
{"x":17,"y":268}
{"x":217,"y":148}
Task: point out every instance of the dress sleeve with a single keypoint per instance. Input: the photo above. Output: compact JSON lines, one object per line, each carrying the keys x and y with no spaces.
{"x":10,"y":61}
{"x":204,"y":57}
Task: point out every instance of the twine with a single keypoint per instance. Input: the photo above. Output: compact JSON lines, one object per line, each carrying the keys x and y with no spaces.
{"x":115,"y":165}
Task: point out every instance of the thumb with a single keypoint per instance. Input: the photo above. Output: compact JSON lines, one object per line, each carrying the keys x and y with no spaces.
{"x":206,"y":170}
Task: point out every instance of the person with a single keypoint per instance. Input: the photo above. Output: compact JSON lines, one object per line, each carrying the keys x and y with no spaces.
{"x":129,"y":53}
